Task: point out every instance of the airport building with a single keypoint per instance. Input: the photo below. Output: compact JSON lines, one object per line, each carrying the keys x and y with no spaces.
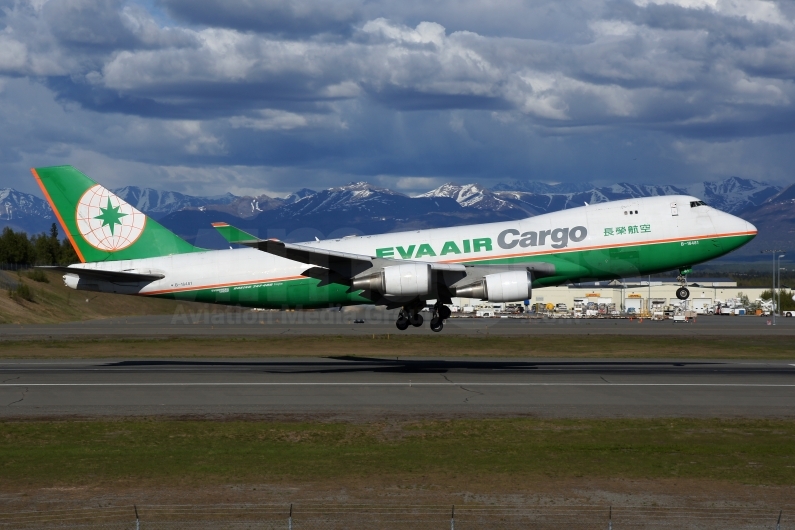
{"x":638,"y":295}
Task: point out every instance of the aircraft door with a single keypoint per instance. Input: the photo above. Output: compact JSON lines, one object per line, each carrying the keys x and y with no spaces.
{"x":674,"y":209}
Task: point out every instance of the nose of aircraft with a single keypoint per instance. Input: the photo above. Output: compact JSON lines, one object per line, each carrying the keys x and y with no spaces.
{"x":731,"y":231}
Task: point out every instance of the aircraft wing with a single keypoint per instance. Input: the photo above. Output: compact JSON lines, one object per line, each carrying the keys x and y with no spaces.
{"x":343,"y":263}
{"x":340,"y":262}
{"x":346,"y":266}
{"x":108,"y":276}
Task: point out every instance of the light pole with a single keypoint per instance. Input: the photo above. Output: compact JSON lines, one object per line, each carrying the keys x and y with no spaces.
{"x":775,"y":253}
{"x":778,"y":292}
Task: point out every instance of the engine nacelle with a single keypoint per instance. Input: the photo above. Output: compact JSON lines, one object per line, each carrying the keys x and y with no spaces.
{"x":411,"y":279}
{"x":502,"y":287}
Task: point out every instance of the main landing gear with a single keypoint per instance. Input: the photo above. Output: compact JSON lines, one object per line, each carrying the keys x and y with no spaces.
{"x":410,"y":316}
{"x":440,"y":313}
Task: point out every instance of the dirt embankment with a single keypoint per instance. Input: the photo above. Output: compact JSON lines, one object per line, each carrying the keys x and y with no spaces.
{"x":51,"y":301}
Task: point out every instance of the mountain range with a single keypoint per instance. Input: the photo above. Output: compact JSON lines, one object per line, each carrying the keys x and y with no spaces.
{"x":361,"y":208}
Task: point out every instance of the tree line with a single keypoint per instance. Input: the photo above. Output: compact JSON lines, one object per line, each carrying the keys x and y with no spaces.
{"x":19,"y":251}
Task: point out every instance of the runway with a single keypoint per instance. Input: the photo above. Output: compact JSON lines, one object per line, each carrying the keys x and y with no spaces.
{"x":223,"y":323}
{"x":370,"y":388}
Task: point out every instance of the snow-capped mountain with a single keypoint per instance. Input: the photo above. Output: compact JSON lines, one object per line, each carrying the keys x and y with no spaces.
{"x":352,"y":197}
{"x":298,"y":195}
{"x":158,"y":203}
{"x":474,"y":196}
{"x":243,"y":207}
{"x":16,"y":204}
{"x":734,"y":194}
{"x":25,"y":212}
{"x":534,"y":186}
{"x":775,"y":221}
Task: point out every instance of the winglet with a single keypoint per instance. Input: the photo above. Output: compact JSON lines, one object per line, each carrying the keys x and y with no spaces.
{"x":235,"y":235}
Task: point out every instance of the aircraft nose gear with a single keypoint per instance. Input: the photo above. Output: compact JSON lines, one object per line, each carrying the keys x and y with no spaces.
{"x":683,"y":293}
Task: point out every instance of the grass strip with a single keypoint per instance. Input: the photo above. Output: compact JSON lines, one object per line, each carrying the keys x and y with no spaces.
{"x":167,"y":452}
{"x":590,"y":346}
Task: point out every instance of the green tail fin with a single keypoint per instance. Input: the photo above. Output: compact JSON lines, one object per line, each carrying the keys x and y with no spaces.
{"x":100,"y":225}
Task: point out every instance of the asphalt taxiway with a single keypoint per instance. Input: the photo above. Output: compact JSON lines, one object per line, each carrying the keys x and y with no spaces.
{"x":335,"y":387}
{"x":221,"y":323}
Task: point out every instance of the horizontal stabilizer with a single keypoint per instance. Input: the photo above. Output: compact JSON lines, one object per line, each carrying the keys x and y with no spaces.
{"x":107,"y":276}
{"x":235,"y":235}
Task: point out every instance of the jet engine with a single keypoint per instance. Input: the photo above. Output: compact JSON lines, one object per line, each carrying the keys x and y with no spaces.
{"x":411,"y":279}
{"x":502,"y":287}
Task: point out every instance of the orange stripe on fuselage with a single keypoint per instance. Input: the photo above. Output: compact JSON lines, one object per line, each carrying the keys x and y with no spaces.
{"x":222,"y":285}
{"x":483,"y":258}
{"x":597,"y":247}
{"x":57,"y":214}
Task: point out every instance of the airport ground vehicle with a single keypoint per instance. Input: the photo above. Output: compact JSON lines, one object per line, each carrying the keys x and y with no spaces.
{"x":125,"y":252}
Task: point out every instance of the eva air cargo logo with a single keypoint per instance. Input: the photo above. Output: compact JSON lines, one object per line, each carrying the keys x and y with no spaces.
{"x":507,"y":240}
{"x":106,"y":222}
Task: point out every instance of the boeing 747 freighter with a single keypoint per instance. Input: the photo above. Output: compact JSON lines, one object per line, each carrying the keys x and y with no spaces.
{"x":123,"y":251}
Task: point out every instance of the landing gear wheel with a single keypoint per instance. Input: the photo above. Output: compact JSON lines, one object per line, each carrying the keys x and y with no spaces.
{"x":402,"y":323}
{"x":444,"y":312}
{"x":416,"y":320}
{"x":436,"y":324}
{"x":683,"y":293}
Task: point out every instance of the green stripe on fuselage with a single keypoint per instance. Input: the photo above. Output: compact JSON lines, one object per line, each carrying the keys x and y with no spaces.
{"x":575,"y":265}
{"x":625,"y":261}
{"x":305,"y":293}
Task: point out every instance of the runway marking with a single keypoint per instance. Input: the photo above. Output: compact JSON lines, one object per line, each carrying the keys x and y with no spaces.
{"x":407,"y":383}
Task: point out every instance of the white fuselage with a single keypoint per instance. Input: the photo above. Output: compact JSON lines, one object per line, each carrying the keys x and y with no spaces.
{"x":605,"y":225}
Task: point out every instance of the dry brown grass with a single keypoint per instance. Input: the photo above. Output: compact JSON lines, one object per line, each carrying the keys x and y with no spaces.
{"x":54,"y":302}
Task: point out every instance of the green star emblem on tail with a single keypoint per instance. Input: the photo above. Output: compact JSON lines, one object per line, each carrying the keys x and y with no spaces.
{"x":110,"y":216}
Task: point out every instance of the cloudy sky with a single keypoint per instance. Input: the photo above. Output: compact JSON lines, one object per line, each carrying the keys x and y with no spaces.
{"x":252,"y":96}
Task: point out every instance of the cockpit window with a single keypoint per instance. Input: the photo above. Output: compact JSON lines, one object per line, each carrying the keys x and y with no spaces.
{"x":695,"y":204}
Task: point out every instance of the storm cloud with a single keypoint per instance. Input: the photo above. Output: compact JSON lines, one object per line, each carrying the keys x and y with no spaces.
{"x":273,"y":95}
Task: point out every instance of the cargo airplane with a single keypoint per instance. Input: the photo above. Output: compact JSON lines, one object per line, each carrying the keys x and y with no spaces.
{"x":123,"y":251}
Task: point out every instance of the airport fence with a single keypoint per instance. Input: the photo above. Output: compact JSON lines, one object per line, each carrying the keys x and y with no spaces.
{"x":395,"y":517}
